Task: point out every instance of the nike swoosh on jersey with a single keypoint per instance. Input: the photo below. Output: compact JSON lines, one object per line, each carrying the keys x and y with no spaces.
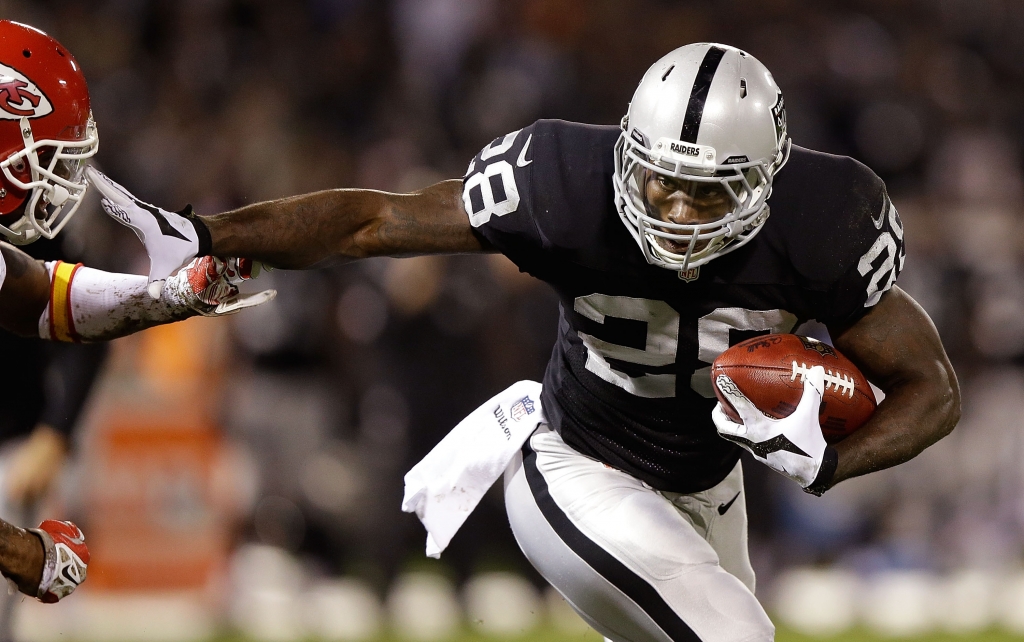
{"x":881,"y":215}
{"x":521,"y":161}
{"x":726,"y":506}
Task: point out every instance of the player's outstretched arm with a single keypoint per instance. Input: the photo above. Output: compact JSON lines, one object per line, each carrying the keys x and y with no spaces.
{"x":898,"y":349}
{"x":68,"y":302}
{"x":299,"y":231}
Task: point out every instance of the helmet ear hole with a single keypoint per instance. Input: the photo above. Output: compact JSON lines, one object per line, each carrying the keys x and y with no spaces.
{"x":27,"y":53}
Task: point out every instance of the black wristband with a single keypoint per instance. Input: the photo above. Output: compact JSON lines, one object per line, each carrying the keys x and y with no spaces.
{"x":823,"y":481}
{"x":202,"y":232}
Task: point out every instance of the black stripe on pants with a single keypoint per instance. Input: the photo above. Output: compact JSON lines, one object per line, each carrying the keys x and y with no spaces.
{"x":631,"y":584}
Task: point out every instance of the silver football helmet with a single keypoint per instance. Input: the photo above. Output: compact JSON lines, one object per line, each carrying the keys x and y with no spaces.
{"x":709,"y":115}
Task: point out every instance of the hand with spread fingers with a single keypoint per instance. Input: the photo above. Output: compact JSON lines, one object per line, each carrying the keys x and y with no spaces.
{"x":793,"y":445}
{"x":171,"y":239}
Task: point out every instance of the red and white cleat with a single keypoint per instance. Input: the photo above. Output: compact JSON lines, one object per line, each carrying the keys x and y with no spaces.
{"x":65,"y":562}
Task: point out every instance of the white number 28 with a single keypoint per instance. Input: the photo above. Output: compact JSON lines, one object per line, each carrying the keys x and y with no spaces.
{"x":662,"y":341}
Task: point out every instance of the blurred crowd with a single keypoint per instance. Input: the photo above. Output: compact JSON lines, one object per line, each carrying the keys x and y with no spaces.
{"x":355,"y":371}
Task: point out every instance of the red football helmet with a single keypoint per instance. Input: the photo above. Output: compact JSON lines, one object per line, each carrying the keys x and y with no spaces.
{"x":46,"y":134}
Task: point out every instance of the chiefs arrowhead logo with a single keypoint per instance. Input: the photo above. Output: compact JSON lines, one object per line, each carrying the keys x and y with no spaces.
{"x":19,"y":96}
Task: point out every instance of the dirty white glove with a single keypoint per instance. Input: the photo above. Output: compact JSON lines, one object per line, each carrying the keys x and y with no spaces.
{"x":794,"y":445}
{"x":172,"y":239}
{"x":209,"y":286}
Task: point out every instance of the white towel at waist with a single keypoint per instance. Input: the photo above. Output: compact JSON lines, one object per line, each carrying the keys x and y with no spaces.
{"x":447,"y":484}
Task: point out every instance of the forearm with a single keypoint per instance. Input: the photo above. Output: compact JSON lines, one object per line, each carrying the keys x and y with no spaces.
{"x":345,"y":224}
{"x":913,"y":416}
{"x":89,"y":305}
{"x":297,"y":231}
{"x":897,"y":348}
{"x":21,"y":557}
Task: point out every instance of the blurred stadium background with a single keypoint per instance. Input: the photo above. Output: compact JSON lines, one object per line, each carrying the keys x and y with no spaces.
{"x":243,"y":478}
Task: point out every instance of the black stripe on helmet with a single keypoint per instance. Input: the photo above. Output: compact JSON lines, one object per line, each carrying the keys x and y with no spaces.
{"x":699,"y":94}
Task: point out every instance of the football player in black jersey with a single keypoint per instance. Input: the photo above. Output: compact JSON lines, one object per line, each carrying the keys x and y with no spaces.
{"x":629,"y":501}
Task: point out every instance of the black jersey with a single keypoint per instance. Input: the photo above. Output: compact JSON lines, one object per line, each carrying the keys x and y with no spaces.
{"x":629,"y":381}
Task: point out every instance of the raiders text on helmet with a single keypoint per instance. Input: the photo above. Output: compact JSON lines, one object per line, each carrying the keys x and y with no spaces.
{"x":46,"y":134}
{"x":706,"y":113}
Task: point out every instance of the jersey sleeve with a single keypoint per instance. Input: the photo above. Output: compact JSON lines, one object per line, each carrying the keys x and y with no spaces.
{"x":873,"y":254}
{"x":843,"y":234}
{"x":498,"y":198}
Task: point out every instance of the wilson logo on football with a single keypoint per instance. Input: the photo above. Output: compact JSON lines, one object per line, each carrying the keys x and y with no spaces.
{"x":19,"y":97}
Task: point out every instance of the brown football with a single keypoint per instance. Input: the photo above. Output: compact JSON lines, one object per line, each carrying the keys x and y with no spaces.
{"x":768,"y":370}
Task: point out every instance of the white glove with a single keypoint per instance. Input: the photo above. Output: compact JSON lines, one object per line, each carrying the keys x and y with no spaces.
{"x":793,"y":446}
{"x":171,"y":239}
{"x":209,"y":286}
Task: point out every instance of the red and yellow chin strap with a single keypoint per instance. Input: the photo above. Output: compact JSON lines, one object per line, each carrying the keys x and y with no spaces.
{"x":62,"y":324}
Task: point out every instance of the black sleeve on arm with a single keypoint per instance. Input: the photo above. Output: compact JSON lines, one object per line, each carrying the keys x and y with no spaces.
{"x":849,"y":248}
{"x":70,"y":373}
{"x":497,"y":196}
{"x":880,"y":256}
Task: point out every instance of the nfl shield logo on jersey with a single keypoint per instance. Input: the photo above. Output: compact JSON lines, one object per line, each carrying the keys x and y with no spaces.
{"x":689,"y":275}
{"x":522,"y":408}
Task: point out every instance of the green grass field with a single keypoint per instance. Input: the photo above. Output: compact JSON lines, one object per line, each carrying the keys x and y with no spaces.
{"x":546,"y":634}
{"x":859,"y":635}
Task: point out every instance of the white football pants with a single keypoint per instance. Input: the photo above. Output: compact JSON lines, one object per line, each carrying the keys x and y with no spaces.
{"x":637,"y":564}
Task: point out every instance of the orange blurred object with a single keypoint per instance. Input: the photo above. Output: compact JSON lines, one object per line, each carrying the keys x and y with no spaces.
{"x":153,"y":523}
{"x":151,"y":497}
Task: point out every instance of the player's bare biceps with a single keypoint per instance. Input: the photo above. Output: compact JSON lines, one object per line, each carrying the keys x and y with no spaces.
{"x":898,"y":349}
{"x":25,"y":292}
{"x":346,"y":224}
